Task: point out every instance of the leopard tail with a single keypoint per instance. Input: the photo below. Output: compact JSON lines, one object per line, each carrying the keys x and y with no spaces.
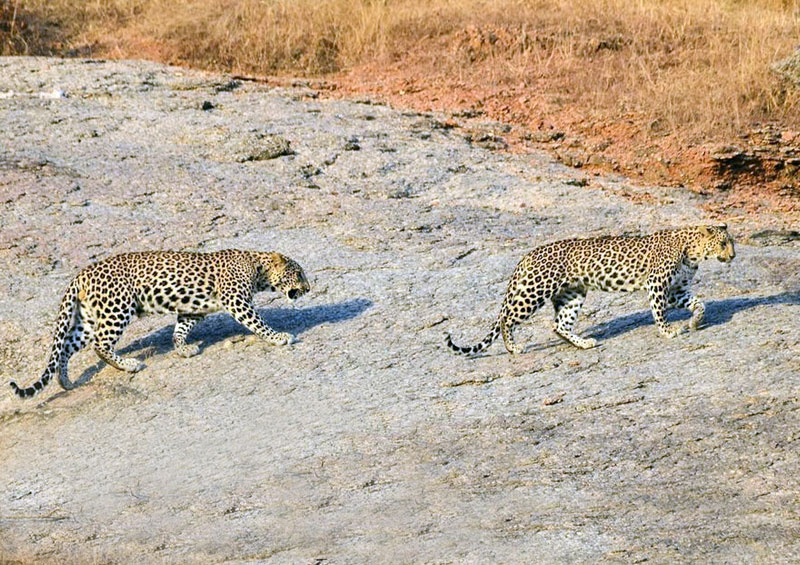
{"x":493,"y":334}
{"x":66,"y":318}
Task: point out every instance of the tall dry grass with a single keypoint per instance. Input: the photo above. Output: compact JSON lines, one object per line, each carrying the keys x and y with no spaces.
{"x":685,"y":65}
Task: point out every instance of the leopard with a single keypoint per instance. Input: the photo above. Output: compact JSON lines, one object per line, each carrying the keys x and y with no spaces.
{"x":663,"y":263}
{"x":102,"y":299}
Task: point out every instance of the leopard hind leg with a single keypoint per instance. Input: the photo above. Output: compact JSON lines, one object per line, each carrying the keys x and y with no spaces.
{"x":64,"y":324}
{"x":567,"y":304}
{"x":520,"y":306}
{"x":79,"y":337}
{"x":109,"y":325}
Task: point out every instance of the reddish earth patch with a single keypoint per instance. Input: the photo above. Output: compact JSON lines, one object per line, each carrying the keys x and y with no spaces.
{"x":757,"y":172}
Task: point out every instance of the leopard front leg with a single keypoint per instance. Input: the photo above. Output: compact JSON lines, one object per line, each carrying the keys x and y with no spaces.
{"x":698,"y":310}
{"x":183,"y":326}
{"x":657,"y":290}
{"x":244,"y":313}
{"x":681,"y":297}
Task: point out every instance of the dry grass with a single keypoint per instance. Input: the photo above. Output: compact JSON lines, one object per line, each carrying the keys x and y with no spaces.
{"x":705,"y":62}
{"x":692,"y":69}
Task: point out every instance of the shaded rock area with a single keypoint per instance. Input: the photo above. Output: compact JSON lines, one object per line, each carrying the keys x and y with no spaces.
{"x":366,"y":441}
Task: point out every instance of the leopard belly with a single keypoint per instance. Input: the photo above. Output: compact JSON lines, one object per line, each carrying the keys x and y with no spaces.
{"x":181,"y":300}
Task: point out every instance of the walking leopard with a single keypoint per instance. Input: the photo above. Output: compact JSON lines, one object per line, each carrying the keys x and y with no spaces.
{"x":102,"y":299}
{"x":664,"y":263}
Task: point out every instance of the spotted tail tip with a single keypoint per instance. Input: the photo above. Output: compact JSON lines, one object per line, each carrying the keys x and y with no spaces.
{"x":15,"y":387}
{"x":22,"y":392}
{"x":458,"y":350}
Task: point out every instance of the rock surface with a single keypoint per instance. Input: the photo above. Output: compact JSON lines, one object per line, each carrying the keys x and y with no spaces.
{"x":367,"y":441}
{"x":789,"y":68}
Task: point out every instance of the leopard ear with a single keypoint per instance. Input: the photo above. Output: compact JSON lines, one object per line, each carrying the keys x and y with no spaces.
{"x":722,"y":226}
{"x":276,"y":258}
{"x":705,"y":230}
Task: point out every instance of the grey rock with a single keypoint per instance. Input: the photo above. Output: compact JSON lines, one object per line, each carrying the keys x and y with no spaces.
{"x":242,"y":147}
{"x":726,"y":153}
{"x":789,"y":67}
{"x":774,"y":237}
{"x":268,"y":146}
{"x":366,"y":441}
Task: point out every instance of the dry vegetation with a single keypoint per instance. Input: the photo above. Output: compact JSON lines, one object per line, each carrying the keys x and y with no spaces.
{"x":645,"y":86}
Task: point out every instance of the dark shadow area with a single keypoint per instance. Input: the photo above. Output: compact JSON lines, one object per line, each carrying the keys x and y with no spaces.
{"x":87,"y":375}
{"x":221,"y":326}
{"x":717,"y":312}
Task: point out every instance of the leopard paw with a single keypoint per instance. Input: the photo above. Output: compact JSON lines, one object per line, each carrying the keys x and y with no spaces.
{"x":131,"y":365}
{"x":696,"y":323}
{"x":188,"y":350}
{"x":282,"y":339}
{"x":672,"y":332}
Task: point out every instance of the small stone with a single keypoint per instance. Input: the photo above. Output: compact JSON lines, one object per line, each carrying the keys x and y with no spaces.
{"x":309,"y":171}
{"x":544,"y":136}
{"x":597,"y":159}
{"x":554,"y":399}
{"x":487,"y":141}
{"x":572,"y":159}
{"x":400,"y":193}
{"x":229,"y":86}
{"x":270,"y":146}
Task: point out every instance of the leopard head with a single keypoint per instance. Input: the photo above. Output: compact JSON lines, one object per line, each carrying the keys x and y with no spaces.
{"x":284,"y":275}
{"x":712,"y":241}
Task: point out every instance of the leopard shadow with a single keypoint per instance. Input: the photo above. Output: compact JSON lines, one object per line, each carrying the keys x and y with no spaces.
{"x":717,"y":312}
{"x":221,"y":326}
